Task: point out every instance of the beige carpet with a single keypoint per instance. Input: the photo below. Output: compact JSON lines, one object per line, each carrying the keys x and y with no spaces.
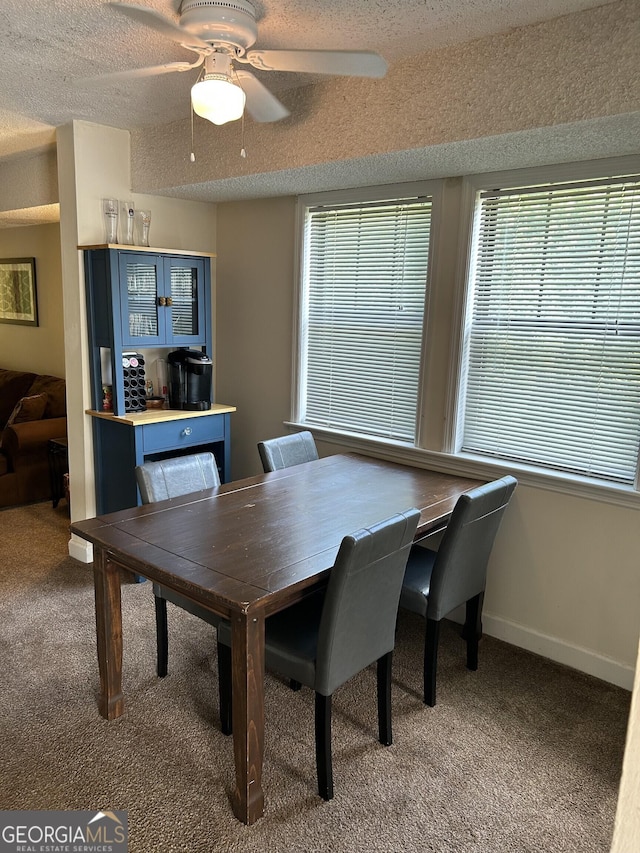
{"x":523,"y":755}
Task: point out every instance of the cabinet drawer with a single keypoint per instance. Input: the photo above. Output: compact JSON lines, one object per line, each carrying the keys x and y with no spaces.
{"x":187,"y":432}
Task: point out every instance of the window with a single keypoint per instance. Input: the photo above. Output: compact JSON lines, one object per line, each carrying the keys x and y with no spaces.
{"x":552,"y":335}
{"x":364,"y":280}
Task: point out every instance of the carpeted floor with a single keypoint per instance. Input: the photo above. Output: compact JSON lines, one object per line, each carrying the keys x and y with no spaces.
{"x":523,"y":755}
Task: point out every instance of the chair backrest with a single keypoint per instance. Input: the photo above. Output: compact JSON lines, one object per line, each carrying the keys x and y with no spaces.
{"x":460,"y":569}
{"x":288,"y":450}
{"x":180,"y":475}
{"x":361,"y":602}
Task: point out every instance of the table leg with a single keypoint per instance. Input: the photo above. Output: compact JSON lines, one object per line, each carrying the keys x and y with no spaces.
{"x":106,"y":578}
{"x":247,"y":655}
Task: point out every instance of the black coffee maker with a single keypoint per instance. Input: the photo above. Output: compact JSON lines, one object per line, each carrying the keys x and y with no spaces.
{"x":190,"y":373}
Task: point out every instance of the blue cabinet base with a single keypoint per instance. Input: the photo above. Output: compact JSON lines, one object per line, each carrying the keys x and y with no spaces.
{"x":119,"y":447}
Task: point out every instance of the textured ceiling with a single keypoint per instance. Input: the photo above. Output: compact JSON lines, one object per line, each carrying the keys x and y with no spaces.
{"x":49,"y":49}
{"x":40,"y":215}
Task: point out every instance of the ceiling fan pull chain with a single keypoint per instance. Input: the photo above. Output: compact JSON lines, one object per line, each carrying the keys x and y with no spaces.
{"x":243,"y":150}
{"x":192,"y":156}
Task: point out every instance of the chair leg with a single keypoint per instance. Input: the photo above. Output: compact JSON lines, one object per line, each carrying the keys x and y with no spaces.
{"x":473,"y":629}
{"x":295,"y":685}
{"x":323,"y":746}
{"x":431,"y":636}
{"x":384,"y":699}
{"x":224,"y":688}
{"x":162,"y":636}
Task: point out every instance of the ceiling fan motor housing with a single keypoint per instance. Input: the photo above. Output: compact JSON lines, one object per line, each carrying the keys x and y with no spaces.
{"x":221,"y":21}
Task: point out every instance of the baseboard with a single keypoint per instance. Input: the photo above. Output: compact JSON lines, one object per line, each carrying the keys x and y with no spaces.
{"x":80,"y":550}
{"x":577,"y":657}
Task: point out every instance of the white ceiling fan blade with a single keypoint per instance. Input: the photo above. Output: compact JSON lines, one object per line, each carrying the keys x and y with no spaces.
{"x":352,"y":63}
{"x":135,"y":73}
{"x":261,"y":104}
{"x":151,"y":18}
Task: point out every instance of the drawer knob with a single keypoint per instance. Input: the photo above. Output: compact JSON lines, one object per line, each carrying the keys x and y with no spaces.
{"x":186,"y":431}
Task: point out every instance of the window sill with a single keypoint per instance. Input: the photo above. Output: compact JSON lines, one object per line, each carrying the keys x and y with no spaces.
{"x":474,"y":466}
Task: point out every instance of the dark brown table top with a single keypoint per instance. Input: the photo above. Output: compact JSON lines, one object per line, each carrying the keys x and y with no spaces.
{"x":247,"y":542}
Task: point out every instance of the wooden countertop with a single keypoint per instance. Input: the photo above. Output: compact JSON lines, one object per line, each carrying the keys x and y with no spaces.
{"x":148,"y":250}
{"x":158,"y":416}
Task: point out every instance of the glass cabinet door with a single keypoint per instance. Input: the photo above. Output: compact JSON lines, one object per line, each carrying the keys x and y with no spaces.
{"x":142,"y":300}
{"x":184,"y":279}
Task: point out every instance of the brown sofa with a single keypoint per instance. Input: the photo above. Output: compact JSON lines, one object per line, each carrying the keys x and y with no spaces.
{"x":32,"y":411}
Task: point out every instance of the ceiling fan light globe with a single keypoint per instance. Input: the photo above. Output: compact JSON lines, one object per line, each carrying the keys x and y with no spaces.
{"x":218,"y":100}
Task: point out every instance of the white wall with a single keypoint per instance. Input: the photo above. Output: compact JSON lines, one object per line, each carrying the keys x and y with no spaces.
{"x":29,"y":179}
{"x":40,"y":348}
{"x":254,"y":334}
{"x":564,"y":582}
{"x":93,"y":163}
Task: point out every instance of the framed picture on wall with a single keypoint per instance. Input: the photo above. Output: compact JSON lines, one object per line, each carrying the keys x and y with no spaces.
{"x":18,"y":302}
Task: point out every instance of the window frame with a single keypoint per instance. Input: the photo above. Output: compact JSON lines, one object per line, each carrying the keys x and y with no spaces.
{"x":513,"y":179}
{"x":385,"y":192}
{"x":452,"y":234}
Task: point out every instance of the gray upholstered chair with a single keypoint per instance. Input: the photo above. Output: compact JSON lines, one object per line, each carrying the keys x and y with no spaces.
{"x":288,"y":450}
{"x":180,"y":475}
{"x":285,"y":452}
{"x":159,"y":481}
{"x":330,"y":636}
{"x":436,"y":582}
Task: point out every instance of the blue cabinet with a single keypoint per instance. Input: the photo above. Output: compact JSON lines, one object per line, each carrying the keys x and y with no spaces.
{"x":136,"y":299}
{"x":122,"y":443}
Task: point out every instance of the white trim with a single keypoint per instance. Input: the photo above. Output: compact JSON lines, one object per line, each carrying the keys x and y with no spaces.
{"x":466,"y":465}
{"x":553,"y":648}
{"x":507,"y":181}
{"x":297,"y":337}
{"x":437,"y":262}
{"x":459,"y":318}
{"x":556,"y":649}
{"x":432,"y":189}
{"x":310,"y":390}
{"x":382,"y":192}
{"x":560,"y":172}
{"x":80,"y":550}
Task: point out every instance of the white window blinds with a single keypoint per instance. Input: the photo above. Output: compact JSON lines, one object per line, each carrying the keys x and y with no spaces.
{"x":553,"y":331}
{"x":184,"y":293}
{"x":364,"y":284}
{"x":142,"y":292}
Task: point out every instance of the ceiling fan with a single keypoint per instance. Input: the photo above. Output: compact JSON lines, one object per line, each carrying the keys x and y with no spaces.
{"x":222,"y":33}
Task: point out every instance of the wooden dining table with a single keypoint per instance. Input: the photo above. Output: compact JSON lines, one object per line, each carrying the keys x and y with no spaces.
{"x":245,"y":550}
